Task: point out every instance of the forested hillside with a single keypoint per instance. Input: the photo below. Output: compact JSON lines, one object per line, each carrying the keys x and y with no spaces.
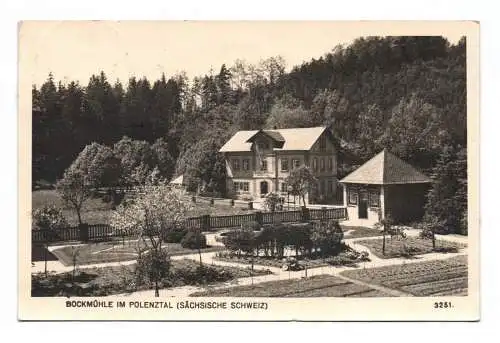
{"x":407,"y":94}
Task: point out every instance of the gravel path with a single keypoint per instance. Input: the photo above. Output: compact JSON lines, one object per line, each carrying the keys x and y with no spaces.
{"x":278,"y":273}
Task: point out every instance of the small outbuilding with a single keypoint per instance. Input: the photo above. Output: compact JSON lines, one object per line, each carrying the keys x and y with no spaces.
{"x":385,"y":186}
{"x":178,"y":182}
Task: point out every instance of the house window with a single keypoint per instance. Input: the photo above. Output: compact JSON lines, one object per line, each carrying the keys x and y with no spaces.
{"x":284,"y":164}
{"x":322,"y":164}
{"x":236,"y":164}
{"x":315,"y":164}
{"x":246,"y":164}
{"x":244,"y":186}
{"x":322,"y":144}
{"x":241,"y":187}
{"x":330,"y":163}
{"x":263,"y":165}
{"x":374,"y":199}
{"x":296,"y":163}
{"x":263,"y":145}
{"x":353,"y":197}
{"x":330,"y":187}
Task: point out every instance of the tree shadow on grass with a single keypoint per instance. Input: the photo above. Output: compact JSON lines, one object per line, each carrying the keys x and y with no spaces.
{"x":37,"y":254}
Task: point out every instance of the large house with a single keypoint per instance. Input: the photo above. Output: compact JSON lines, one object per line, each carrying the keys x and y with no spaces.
{"x":259,"y":161}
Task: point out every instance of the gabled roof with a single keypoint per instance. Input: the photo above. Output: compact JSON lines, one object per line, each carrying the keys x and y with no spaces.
{"x":274,"y":135}
{"x":386,"y":169}
{"x":294,"y":139}
{"x":178,"y":181}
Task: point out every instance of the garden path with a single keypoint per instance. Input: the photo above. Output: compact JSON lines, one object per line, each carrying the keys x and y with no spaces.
{"x":278,"y":273}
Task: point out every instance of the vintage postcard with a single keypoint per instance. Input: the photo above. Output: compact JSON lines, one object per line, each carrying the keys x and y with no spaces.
{"x":310,"y":171}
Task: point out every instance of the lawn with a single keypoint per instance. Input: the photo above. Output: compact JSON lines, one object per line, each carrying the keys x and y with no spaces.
{"x":433,"y":278}
{"x":121,"y":279}
{"x":408,"y":247}
{"x":316,"y":286}
{"x":360,"y":231}
{"x":204,"y":208}
{"x":95,"y":211}
{"x":115,"y":251}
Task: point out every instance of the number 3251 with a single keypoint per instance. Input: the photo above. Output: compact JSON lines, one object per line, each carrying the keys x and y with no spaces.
{"x":443,"y":304}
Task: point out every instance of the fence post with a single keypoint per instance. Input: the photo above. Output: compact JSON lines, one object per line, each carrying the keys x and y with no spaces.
{"x":305,"y":214}
{"x":84,"y":232}
{"x":258,"y":218}
{"x":205,"y":222}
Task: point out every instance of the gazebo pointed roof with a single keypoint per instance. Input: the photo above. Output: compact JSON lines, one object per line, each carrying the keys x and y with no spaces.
{"x":386,"y":169}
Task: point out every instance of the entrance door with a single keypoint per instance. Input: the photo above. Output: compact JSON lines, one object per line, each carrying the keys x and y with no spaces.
{"x":363,"y":205}
{"x":263,"y":188}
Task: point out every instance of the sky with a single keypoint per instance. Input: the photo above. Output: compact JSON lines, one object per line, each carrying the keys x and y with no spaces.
{"x":73,"y":51}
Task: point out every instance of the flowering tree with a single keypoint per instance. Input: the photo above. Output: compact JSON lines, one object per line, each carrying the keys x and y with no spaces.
{"x":94,"y":167}
{"x":271,"y":202}
{"x":156,"y":209}
{"x":301,"y":179}
{"x":49,"y":219}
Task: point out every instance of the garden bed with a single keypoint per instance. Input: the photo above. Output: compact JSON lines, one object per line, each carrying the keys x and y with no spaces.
{"x":115,"y":251}
{"x":342,"y":259}
{"x":121,"y":279}
{"x":316,"y":286}
{"x":433,"y":278}
{"x":409,"y":247}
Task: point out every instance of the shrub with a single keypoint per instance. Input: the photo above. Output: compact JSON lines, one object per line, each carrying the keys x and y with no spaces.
{"x":426,"y":233}
{"x":174,"y":235}
{"x":252,"y":226}
{"x":272,"y":201}
{"x":195,"y":275}
{"x":194,"y":240}
{"x":240,"y":240}
{"x":409,"y":251}
{"x":152,"y":267}
{"x":49,"y":218}
{"x":327,"y":236}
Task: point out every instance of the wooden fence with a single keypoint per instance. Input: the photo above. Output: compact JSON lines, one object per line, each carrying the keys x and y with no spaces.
{"x":100,"y":232}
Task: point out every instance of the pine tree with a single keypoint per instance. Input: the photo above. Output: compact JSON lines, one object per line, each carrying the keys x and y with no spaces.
{"x":447,"y":199}
{"x":224,"y":91}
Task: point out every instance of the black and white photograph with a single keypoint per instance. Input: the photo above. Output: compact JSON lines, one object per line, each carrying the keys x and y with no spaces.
{"x":249,"y":169}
